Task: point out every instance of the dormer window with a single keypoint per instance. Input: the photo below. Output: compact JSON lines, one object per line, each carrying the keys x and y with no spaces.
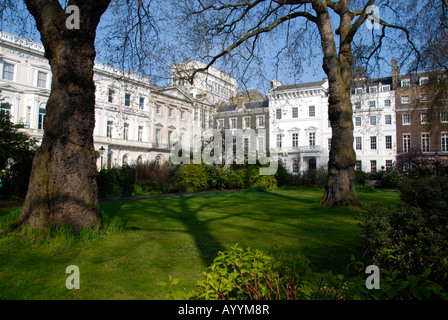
{"x":405,"y":83}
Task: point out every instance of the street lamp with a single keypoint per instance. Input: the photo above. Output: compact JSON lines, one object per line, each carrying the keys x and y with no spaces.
{"x":101,"y":152}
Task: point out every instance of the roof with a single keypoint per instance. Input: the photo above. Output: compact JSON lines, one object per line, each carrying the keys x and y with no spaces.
{"x":300,"y":85}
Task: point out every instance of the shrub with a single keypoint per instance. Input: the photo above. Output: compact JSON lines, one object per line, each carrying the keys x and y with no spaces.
{"x":250,"y":274}
{"x":360,"y":177}
{"x":266,"y":182}
{"x":417,"y":238}
{"x":192,"y":177}
{"x":111,"y":182}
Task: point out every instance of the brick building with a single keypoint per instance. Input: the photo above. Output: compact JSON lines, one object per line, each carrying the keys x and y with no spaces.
{"x":419,"y":126}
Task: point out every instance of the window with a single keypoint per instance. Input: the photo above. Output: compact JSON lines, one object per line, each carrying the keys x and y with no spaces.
{"x":358,"y":166}
{"x":159,"y":160}
{"x":386,"y":88}
{"x":261,"y":146}
{"x":246,"y":122}
{"x":423,"y":81}
{"x":158,"y":109}
{"x":425,"y":142}
{"x":278,"y":114}
{"x":42,"y":114}
{"x":279,"y":140}
{"x":109,"y":128}
{"x":373,"y":120}
{"x":424,"y":98}
{"x":358,"y":121}
{"x":260,"y":121}
{"x":444,"y":117}
{"x":140,"y":133}
{"x":372,"y":143}
{"x":295,"y":166}
{"x":233,"y":123}
{"x":372,"y":165}
{"x":295,"y":140}
{"x":358,"y":142}
{"x":388,"y":119}
{"x":406,"y":142}
{"x":125,"y":160}
{"x":372,"y":104}
{"x":358,"y":90}
{"x":312,"y":111}
{"x":406,"y":119}
{"x":423,"y":118}
{"x":312,"y":139}
{"x":295,"y":112}
{"x":127,"y":99}
{"x":203,"y":119}
{"x":126,"y":131}
{"x":329,"y":144}
{"x":141,"y":103}
{"x":110,"y":95}
{"x":389,"y":164}
{"x":388,"y":142}
{"x":373,"y":89}
{"x":42,"y":79}
{"x":8,"y":71}
{"x":157,"y":140}
{"x":405,"y":83}
{"x":387,"y":103}
{"x":6,"y":108}
{"x":170,"y":138}
{"x":444,"y":142}
{"x":220,"y":123}
{"x":170,"y":112}
{"x":405,"y":99}
{"x":357,"y":105}
{"x":182,"y":115}
{"x":246,"y":146}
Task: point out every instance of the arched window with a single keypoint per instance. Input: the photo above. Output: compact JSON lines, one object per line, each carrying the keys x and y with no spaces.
{"x":125,"y":160}
{"x":139,"y":161}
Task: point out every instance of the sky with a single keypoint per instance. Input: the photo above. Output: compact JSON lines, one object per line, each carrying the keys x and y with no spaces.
{"x":311,"y":65}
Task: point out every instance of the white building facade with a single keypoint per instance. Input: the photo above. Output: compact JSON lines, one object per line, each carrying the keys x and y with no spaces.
{"x":299,"y":127}
{"x":301,"y":132}
{"x":374,"y":133}
{"x":135,"y":121}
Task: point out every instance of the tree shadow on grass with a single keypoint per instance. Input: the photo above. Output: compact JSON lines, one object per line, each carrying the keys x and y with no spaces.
{"x":180,"y":209}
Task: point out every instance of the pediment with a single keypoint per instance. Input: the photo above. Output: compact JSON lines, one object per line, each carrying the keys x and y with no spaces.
{"x":311,"y":128}
{"x":10,"y":87}
{"x":174,"y":92}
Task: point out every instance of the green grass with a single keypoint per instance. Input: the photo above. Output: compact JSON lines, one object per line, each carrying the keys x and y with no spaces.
{"x":147,"y":240}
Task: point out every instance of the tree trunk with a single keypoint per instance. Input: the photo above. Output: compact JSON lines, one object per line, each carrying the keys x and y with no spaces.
{"x":63,"y":189}
{"x":340,"y":187}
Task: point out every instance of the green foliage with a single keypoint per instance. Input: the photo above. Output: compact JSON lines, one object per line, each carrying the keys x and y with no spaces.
{"x":360,"y":177}
{"x":192,"y":177}
{"x":111,"y":182}
{"x":418,"y":239}
{"x":17,"y":151}
{"x":250,"y":274}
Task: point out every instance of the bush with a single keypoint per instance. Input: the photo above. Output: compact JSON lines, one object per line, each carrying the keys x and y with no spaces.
{"x":250,"y":274}
{"x":416,"y":238}
{"x":360,"y":177}
{"x":192,"y":177}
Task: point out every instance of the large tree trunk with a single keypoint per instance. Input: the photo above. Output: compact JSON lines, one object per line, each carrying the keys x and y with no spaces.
{"x":63,"y":189}
{"x":340,"y":187}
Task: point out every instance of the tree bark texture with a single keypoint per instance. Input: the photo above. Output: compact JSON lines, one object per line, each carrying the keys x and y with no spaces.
{"x":63,"y":189}
{"x":340,"y":187}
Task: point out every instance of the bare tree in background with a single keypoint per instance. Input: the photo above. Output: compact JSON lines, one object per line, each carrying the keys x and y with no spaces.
{"x":239,"y":25}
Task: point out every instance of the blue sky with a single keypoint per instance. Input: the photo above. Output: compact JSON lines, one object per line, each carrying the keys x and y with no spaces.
{"x":311,"y":65}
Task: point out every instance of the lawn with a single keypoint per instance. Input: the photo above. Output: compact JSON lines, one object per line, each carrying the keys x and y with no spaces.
{"x":179,"y":236}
